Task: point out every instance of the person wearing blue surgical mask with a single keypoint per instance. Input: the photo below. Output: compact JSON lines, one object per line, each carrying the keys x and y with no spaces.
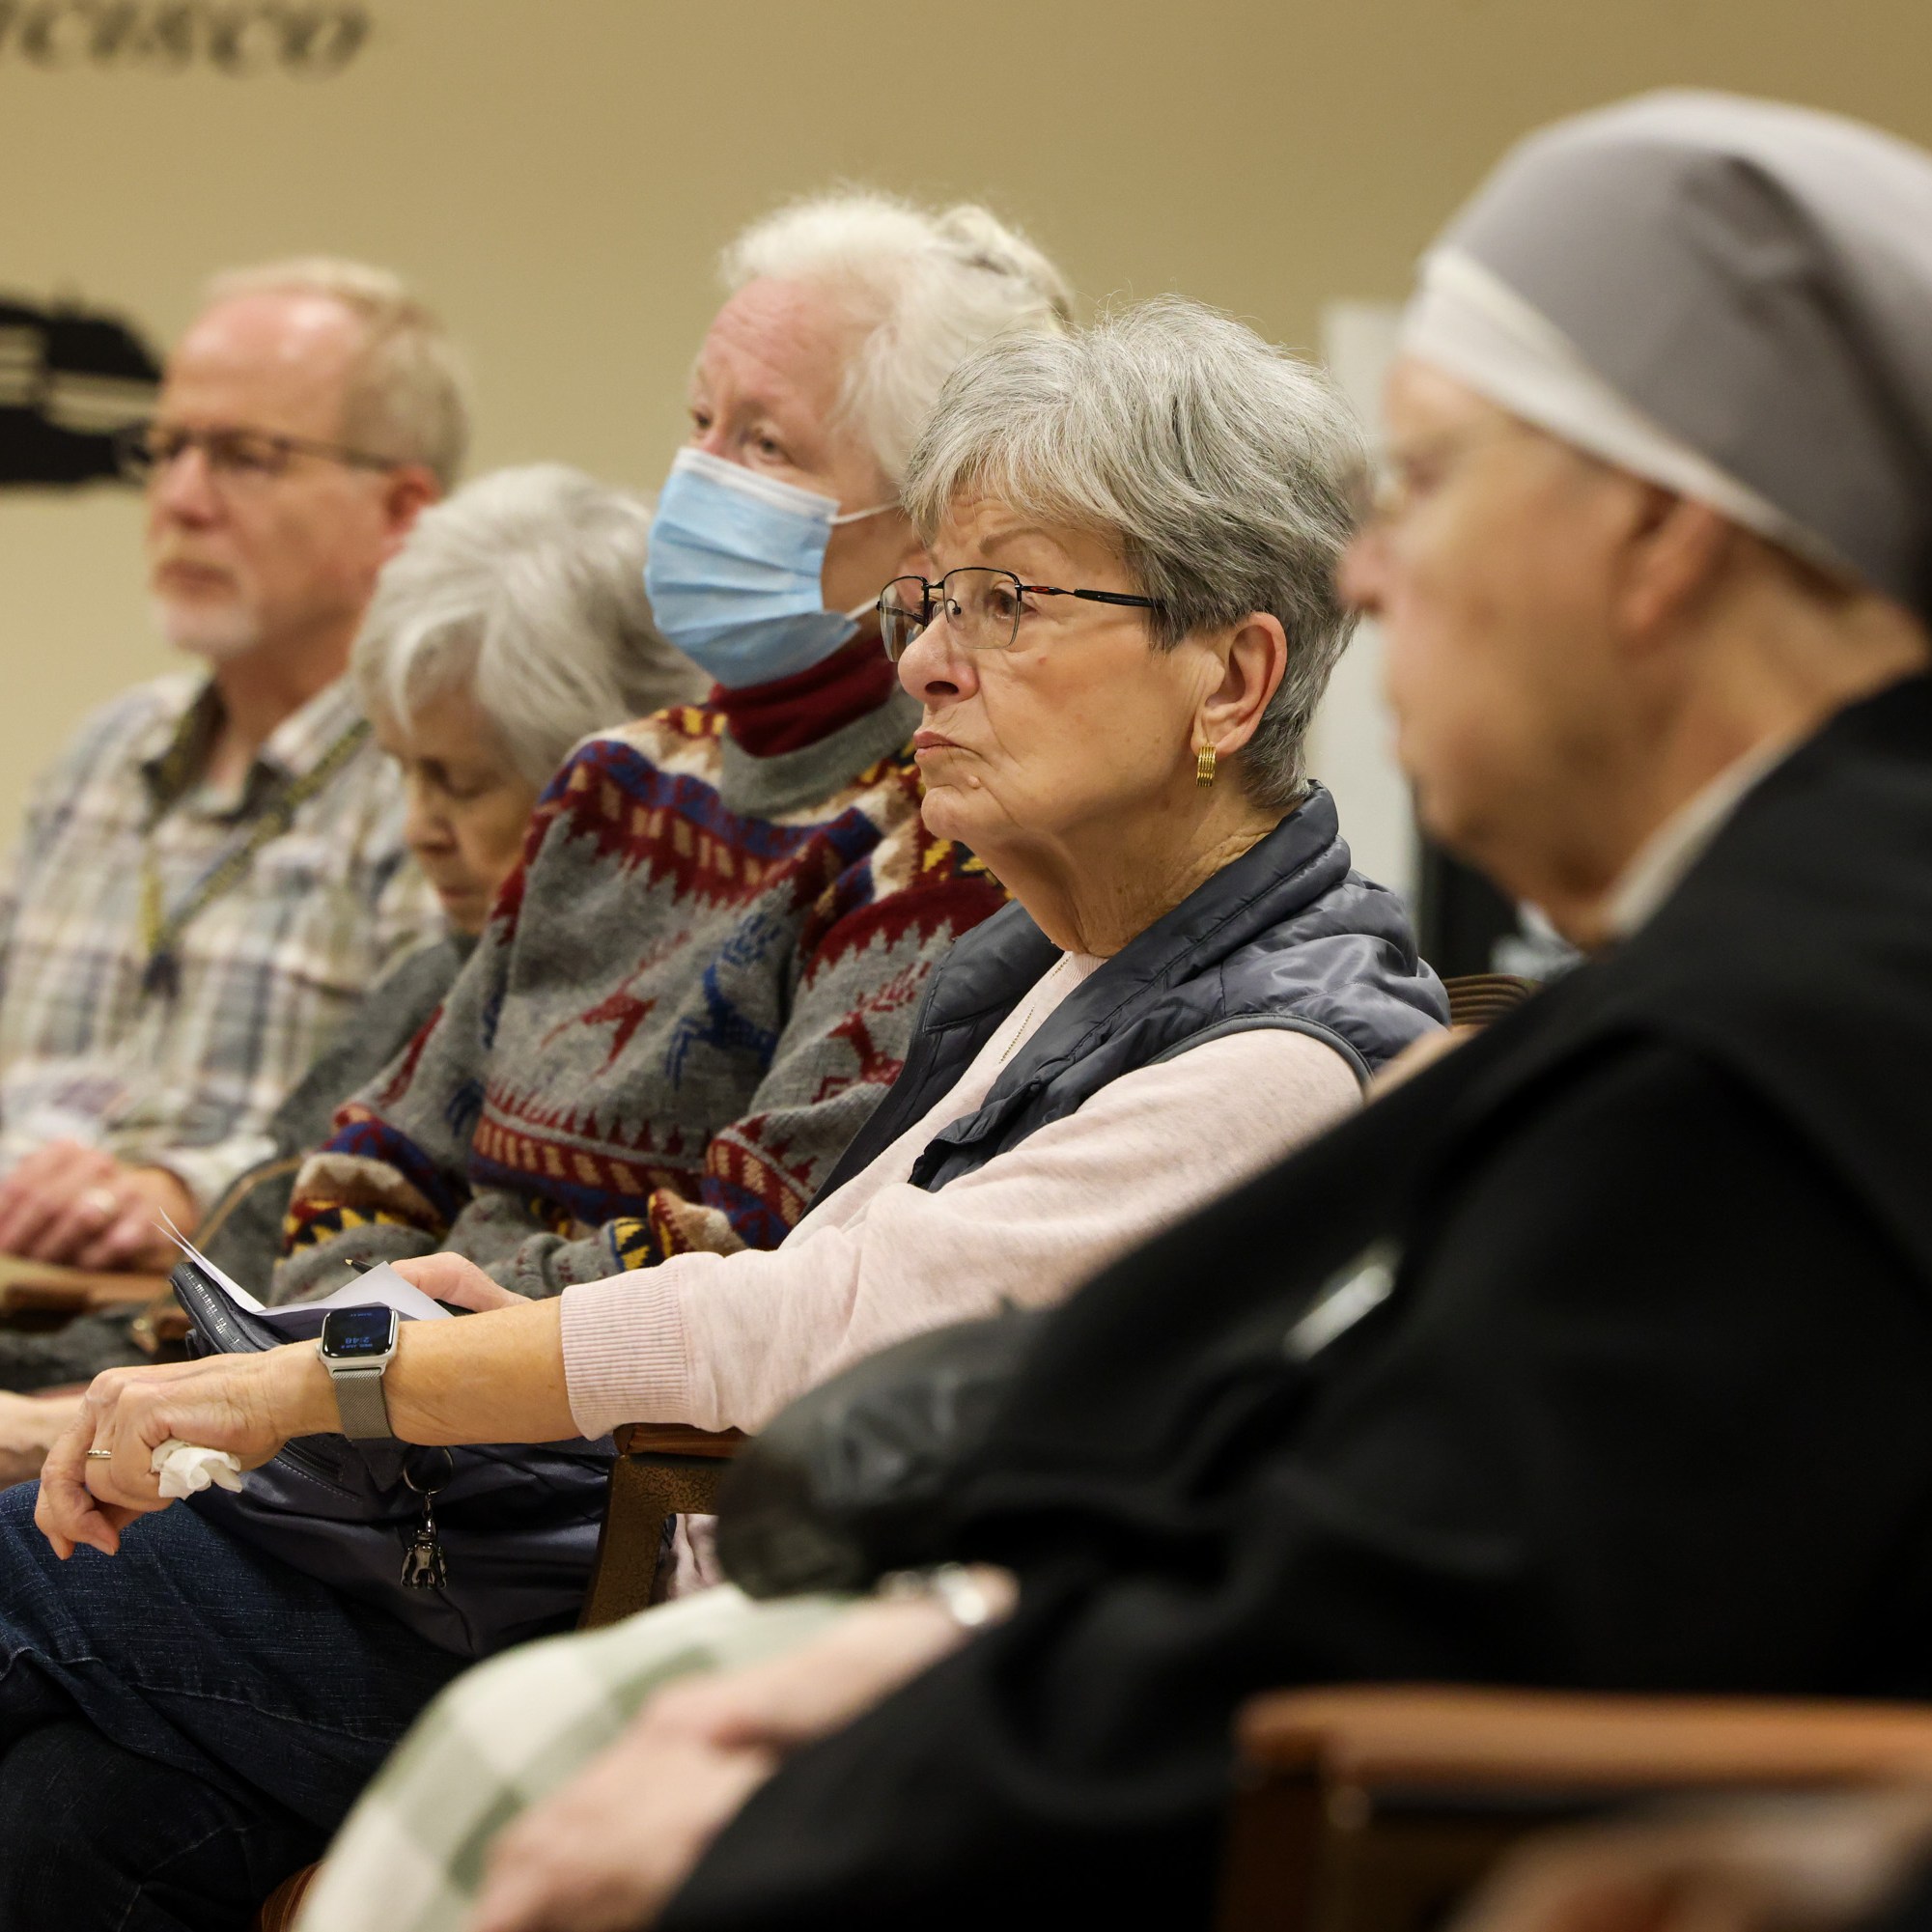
{"x":779,"y":523}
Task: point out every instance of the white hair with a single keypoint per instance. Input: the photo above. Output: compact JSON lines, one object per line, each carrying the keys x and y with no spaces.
{"x":528,"y":586}
{"x":1228,"y":476}
{"x":928,"y":287}
{"x":408,"y":397}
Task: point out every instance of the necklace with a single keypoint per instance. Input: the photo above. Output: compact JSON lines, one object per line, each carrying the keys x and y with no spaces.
{"x":161,"y":930}
{"x":1033,"y":1004}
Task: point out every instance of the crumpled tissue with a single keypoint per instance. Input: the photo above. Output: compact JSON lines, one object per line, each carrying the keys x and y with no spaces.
{"x":185,"y":1468}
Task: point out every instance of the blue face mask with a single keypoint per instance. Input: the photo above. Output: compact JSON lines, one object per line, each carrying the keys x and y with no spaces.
{"x":735,"y":566}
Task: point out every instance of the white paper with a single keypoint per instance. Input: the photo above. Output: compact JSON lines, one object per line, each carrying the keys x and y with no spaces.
{"x":382,"y":1287}
{"x":232,"y":1289}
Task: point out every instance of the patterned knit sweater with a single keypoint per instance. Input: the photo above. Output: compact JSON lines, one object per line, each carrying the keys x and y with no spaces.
{"x":687,"y":1000}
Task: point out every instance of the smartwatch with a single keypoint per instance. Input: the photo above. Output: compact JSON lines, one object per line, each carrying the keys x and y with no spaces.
{"x":356,"y":1346}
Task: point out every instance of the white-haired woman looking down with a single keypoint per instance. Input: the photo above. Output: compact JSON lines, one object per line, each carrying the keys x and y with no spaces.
{"x":511,"y":626}
{"x":1129,"y":619}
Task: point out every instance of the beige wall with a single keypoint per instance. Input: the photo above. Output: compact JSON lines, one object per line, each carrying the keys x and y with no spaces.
{"x":559,"y":173}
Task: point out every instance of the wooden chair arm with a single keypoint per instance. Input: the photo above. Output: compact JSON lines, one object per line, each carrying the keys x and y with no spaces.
{"x":676,"y":1439}
{"x":662,"y":1470}
{"x":1375,"y":1808}
{"x":285,"y":1903}
{"x":42,"y":1294}
{"x":1383,"y":1736}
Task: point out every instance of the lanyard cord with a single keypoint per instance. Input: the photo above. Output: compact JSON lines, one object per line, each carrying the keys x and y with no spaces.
{"x":161,"y":930}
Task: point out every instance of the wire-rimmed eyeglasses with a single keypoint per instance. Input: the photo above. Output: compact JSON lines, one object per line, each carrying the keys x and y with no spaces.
{"x":233,"y":455}
{"x":981,"y":606}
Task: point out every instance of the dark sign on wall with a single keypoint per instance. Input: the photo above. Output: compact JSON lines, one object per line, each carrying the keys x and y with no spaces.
{"x":231,"y":37}
{"x":68,"y":378}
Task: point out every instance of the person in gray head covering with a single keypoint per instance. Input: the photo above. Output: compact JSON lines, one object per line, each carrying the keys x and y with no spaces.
{"x":1726,"y":296}
{"x":1660,"y":484}
{"x":1596,"y":1354}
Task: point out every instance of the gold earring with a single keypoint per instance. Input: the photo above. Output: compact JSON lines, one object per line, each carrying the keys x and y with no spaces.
{"x":1205,"y":760}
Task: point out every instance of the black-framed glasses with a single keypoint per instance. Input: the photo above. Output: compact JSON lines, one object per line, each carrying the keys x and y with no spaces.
{"x":981,"y":606}
{"x":233,"y":455}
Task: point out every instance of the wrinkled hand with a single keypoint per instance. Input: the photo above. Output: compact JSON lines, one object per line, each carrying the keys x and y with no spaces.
{"x":606,"y":1853}
{"x":30,"y":1425}
{"x":247,"y":1404}
{"x":79,"y":1206}
{"x":448,"y":1278}
{"x":617,"y":1841}
{"x":821,"y":1686}
{"x":1790,"y":1864}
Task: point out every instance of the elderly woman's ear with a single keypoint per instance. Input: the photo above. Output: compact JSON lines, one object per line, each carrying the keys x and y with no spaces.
{"x":1253,"y":660}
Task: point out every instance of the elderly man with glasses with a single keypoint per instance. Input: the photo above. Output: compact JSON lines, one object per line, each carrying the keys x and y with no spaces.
{"x":213,"y":871}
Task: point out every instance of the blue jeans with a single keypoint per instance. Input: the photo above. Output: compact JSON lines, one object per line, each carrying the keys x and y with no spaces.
{"x":270,"y":1698}
{"x":95,"y":1840}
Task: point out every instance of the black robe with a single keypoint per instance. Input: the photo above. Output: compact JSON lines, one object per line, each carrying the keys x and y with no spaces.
{"x":1648,"y":1405}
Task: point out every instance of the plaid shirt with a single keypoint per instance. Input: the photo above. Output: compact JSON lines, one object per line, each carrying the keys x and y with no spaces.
{"x":187,"y":1077}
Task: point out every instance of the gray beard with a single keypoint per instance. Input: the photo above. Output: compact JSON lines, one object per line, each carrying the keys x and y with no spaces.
{"x":217,"y":633}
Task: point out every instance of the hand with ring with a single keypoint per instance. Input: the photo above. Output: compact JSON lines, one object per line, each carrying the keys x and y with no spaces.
{"x":99,"y":1476}
{"x":79,"y":1206}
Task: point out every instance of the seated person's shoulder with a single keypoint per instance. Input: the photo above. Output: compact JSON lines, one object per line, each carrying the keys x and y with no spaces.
{"x":661,"y":736}
{"x":115,"y":737}
{"x":123,"y":727}
{"x":1647,"y":1167}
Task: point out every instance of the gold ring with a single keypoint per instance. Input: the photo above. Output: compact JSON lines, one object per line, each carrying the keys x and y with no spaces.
{"x":101,"y":1455}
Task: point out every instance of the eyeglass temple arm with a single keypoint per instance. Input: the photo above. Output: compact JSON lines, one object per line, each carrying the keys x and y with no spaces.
{"x":1052,"y":590}
{"x":1094,"y":596}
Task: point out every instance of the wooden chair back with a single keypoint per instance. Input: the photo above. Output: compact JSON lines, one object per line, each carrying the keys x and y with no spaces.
{"x":1477,"y":998}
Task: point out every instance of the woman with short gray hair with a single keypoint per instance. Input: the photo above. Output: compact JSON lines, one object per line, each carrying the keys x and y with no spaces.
{"x":1133,"y":530}
{"x":1225,"y":473}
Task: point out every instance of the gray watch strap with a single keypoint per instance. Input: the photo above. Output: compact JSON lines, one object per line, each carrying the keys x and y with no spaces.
{"x":361,"y":1403}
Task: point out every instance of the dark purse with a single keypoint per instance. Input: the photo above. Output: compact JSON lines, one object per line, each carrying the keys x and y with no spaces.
{"x":474,"y":1549}
{"x":849,"y":1481}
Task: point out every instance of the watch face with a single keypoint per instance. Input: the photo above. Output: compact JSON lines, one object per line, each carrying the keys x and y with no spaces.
{"x":350,"y":1333}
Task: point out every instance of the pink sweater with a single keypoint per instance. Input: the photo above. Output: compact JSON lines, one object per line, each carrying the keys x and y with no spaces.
{"x":726,"y":1340}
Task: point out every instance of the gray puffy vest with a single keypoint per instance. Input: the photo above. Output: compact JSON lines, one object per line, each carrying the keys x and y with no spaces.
{"x":1286,"y":935}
